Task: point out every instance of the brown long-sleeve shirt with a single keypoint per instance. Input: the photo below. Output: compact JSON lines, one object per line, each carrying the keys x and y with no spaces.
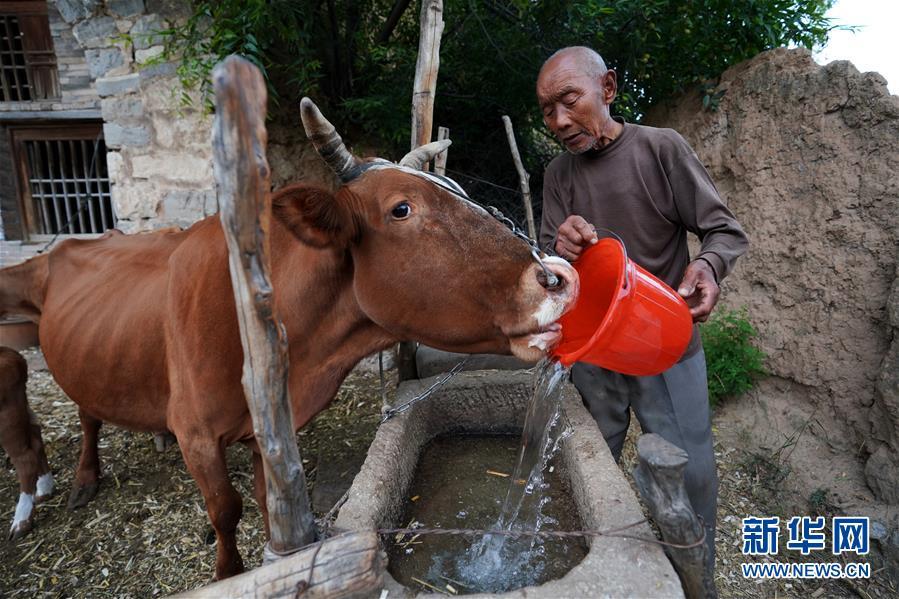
{"x":649,"y":187}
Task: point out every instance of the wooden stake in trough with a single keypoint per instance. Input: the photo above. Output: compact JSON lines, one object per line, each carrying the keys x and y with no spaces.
{"x":242,"y":175}
{"x":440,"y":159}
{"x":423,"y":90}
{"x":660,"y":478}
{"x":523,"y":178}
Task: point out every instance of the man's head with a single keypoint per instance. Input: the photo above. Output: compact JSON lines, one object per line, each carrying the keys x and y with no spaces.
{"x":574,"y":90}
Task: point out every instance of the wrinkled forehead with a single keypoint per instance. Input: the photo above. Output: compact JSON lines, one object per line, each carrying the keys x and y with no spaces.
{"x":439,"y":181}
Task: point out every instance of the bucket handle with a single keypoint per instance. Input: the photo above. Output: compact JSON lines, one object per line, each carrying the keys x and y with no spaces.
{"x":628,"y":269}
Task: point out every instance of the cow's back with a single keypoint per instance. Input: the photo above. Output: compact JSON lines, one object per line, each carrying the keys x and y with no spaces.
{"x":102,"y":325}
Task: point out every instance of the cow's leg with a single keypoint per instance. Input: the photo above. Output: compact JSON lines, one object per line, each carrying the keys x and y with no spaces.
{"x":205,"y":459}
{"x":259,"y":489}
{"x":87,"y":477}
{"x":45,"y":484}
{"x":15,"y":438}
{"x":24,"y":460}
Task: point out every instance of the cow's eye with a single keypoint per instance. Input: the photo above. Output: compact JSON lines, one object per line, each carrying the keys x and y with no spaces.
{"x":401,"y":211}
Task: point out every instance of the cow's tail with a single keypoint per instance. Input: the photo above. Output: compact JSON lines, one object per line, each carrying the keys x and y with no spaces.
{"x":22,"y":288}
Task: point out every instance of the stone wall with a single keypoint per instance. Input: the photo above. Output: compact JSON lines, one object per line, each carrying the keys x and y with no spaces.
{"x":806,"y":157}
{"x":159,"y":153}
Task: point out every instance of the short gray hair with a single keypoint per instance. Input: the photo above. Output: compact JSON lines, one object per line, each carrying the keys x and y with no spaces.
{"x":588,"y":59}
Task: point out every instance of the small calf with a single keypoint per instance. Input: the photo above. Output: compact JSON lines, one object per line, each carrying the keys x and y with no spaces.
{"x":20,"y":436}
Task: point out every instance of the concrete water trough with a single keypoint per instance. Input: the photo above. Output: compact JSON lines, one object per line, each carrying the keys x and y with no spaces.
{"x":494,"y":402}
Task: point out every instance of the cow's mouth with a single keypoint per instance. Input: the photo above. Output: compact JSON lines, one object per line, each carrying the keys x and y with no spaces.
{"x":536,"y":344}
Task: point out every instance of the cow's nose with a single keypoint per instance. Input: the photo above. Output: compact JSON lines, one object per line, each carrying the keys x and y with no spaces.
{"x":564,"y":274}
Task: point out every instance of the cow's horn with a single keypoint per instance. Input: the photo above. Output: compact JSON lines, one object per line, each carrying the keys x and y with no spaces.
{"x":420,"y":156}
{"x":327,"y":141}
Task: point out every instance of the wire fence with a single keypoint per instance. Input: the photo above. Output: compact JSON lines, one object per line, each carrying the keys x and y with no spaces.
{"x":507,"y":199}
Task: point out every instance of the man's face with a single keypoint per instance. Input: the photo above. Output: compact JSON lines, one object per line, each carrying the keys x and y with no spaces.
{"x":575,"y":105}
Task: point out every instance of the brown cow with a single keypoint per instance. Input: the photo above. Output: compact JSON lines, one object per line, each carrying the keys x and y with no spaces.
{"x":20,"y":436}
{"x":141,"y":330}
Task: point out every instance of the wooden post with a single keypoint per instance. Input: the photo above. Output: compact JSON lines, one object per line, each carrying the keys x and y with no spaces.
{"x":423,"y":90}
{"x":440,"y":160}
{"x":523,"y":178}
{"x":242,"y":175}
{"x":425,"y":85}
{"x":660,"y":479}
{"x":349,"y":565}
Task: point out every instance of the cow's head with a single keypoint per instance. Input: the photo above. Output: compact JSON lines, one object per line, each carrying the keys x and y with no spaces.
{"x":428,"y":264}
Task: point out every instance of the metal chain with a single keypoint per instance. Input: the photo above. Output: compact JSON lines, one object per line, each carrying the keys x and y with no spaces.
{"x":391,"y":412}
{"x":551,"y":279}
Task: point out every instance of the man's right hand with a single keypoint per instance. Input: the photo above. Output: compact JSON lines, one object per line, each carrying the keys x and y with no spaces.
{"x":574,"y":236}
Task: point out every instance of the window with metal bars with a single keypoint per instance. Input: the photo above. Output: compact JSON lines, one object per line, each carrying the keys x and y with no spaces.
{"x":63,"y":180}
{"x":27,"y":60}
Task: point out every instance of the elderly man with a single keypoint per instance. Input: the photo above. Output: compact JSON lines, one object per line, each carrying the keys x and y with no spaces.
{"x":648,"y":186}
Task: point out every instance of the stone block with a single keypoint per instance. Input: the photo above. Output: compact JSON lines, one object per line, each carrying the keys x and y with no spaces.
{"x":121,"y":109}
{"x":135,"y":200}
{"x":177,"y":131}
{"x":145,"y":56}
{"x":170,"y":8}
{"x":114,"y":86}
{"x":125,"y":8}
{"x":179,"y":167}
{"x":117,"y":136}
{"x":182,"y":208}
{"x":115,"y":166}
{"x":95,"y":32}
{"x":73,"y":10}
{"x":124,"y":25}
{"x":163,"y":69}
{"x":144,"y":34}
{"x":100,"y":61}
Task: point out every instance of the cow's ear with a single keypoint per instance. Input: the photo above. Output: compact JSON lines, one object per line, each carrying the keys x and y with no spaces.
{"x":314,"y":215}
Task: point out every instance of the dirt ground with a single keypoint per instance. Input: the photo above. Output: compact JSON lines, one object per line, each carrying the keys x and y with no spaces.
{"x":147,"y":534}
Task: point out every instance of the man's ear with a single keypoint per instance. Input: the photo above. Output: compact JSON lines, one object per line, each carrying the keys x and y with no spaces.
{"x":609,"y":86}
{"x":314,"y":215}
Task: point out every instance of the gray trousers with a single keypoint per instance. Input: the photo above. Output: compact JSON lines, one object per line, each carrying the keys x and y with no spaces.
{"x":675,"y":406}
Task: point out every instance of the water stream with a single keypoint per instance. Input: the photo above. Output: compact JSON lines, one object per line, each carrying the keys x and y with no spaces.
{"x":498,"y":560}
{"x":448,"y":495}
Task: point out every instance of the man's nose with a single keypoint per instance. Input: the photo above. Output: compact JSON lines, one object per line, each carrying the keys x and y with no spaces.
{"x":561,"y":120}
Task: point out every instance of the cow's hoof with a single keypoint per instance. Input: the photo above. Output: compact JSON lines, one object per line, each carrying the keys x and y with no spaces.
{"x":82,"y":495}
{"x":19,"y":530}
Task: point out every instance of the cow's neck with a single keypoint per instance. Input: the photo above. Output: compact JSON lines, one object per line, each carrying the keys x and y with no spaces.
{"x":328,"y":331}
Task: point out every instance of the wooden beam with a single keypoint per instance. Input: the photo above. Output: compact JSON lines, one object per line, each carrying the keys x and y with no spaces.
{"x":660,"y":479}
{"x":523,"y":178}
{"x":349,"y":565}
{"x":440,"y":159}
{"x":242,"y":175}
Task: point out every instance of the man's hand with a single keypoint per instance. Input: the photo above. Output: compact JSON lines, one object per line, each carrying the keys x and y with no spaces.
{"x":575,"y":235}
{"x":699,"y":289}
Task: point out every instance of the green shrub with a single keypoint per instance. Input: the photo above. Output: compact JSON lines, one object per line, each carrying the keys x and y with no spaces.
{"x":733,"y":362}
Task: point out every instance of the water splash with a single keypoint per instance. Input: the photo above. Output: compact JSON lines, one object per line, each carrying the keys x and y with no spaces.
{"x":498,"y":562}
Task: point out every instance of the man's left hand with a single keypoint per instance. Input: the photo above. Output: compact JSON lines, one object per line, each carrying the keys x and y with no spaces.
{"x":699,"y":289}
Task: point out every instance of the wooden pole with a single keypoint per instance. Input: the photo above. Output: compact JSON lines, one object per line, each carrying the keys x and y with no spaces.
{"x":425,"y":85}
{"x":660,"y":479}
{"x":349,"y":565}
{"x":242,"y":175}
{"x":423,"y":90}
{"x":440,"y":160}
{"x":523,"y":178}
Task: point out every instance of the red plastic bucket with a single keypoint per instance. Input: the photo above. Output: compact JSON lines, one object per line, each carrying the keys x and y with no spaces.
{"x":625,"y":319}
